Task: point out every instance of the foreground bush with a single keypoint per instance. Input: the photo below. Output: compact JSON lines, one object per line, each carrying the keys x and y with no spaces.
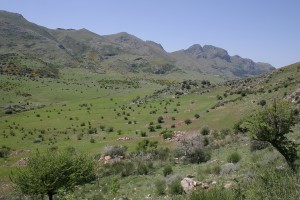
{"x":272,"y":183}
{"x":49,"y":172}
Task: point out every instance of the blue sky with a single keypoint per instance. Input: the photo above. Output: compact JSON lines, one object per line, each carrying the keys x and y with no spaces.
{"x":263,"y":30}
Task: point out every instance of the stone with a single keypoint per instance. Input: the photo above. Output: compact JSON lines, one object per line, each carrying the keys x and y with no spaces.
{"x":187,"y":184}
{"x":228,"y":185}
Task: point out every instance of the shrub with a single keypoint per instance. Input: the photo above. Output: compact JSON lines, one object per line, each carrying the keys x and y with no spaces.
{"x":92,"y":140}
{"x":187,"y":121}
{"x":213,"y":194}
{"x":142,"y":169}
{"x":258,"y":145}
{"x":115,"y":151}
{"x":110,"y":129}
{"x":167,"y":170}
{"x":175,"y":187}
{"x":197,"y":116}
{"x":102,"y":127}
{"x":8,"y":112}
{"x":47,"y":173}
{"x":167,"y":134}
{"x":4,"y":151}
{"x":205,"y":141}
{"x":92,"y":131}
{"x":198,"y":155}
{"x":205,"y":131}
{"x":216,"y":169}
{"x":151,"y":128}
{"x":234,"y":157}
{"x":160,"y":119}
{"x":143,"y":134}
{"x":160,"y":187}
{"x":229,"y":167}
{"x":262,"y":102}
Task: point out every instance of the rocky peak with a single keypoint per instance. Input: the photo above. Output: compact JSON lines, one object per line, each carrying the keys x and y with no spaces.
{"x":212,"y":52}
{"x":194,"y":50}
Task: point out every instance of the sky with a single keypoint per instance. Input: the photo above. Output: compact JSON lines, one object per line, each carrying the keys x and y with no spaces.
{"x":262,"y":30}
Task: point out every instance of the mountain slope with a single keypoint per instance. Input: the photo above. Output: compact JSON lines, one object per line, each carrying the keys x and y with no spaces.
{"x":216,"y":60}
{"x":42,"y":51}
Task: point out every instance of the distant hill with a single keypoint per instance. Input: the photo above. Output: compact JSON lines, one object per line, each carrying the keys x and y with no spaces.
{"x":30,"y":49}
{"x":216,"y":60}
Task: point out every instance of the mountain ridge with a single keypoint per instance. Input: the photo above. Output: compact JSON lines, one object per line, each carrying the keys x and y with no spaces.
{"x":120,"y":52}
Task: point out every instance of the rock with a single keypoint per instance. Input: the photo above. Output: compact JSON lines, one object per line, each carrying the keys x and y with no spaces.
{"x":205,"y":186}
{"x":228,"y":185}
{"x":107,"y":158}
{"x":187,"y":184}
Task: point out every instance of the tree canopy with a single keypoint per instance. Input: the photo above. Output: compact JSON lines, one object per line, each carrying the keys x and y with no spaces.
{"x":48,"y":172}
{"x":272,"y":123}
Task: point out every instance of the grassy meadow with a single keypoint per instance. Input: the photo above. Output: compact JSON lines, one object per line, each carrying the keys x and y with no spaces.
{"x":91,"y":111}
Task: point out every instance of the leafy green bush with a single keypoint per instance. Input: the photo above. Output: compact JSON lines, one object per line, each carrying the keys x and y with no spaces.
{"x":160,"y":187}
{"x":167,"y":134}
{"x":198,"y":155}
{"x":213,"y":194}
{"x":205,"y":131}
{"x":234,"y":157}
{"x":175,"y":187}
{"x":142,"y":169}
{"x":187,"y":121}
{"x":197,"y":116}
{"x":4,"y":151}
{"x":167,"y":170}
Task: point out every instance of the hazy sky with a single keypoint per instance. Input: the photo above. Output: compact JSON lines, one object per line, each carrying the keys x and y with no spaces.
{"x":263,"y":30}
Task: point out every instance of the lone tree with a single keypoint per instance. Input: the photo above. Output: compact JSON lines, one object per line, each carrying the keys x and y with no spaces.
{"x":271,"y":124}
{"x":48,"y":172}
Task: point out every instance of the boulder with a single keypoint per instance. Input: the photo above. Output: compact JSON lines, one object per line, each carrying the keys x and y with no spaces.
{"x":187,"y":184}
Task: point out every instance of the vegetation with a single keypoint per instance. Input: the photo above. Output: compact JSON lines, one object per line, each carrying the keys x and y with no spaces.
{"x":47,"y":173}
{"x":272,"y":124}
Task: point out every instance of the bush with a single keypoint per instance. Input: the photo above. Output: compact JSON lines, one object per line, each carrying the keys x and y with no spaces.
{"x":167,"y":134}
{"x":143,"y":134}
{"x":175,"y":187}
{"x":160,"y":119}
{"x":47,"y":173}
{"x":270,"y":183}
{"x":167,"y":170}
{"x":115,"y":151}
{"x":213,"y":194}
{"x":142,"y":169}
{"x":187,"y":121}
{"x":234,"y":157}
{"x":4,"y":151}
{"x":110,"y":129}
{"x":197,"y":116}
{"x":92,"y":140}
{"x":262,"y":102}
{"x":258,"y":145}
{"x":205,"y":131}
{"x":92,"y":131}
{"x":198,"y":155}
{"x":160,"y":187}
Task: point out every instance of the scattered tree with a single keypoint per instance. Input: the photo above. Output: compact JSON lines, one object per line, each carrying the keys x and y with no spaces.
{"x":271,"y":124}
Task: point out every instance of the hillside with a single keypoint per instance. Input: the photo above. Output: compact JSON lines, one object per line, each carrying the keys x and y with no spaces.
{"x":42,"y":52}
{"x":94,"y":112}
{"x":215,"y":60}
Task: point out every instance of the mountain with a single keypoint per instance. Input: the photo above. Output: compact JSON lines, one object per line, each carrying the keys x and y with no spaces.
{"x":211,"y":59}
{"x":30,"y":49}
